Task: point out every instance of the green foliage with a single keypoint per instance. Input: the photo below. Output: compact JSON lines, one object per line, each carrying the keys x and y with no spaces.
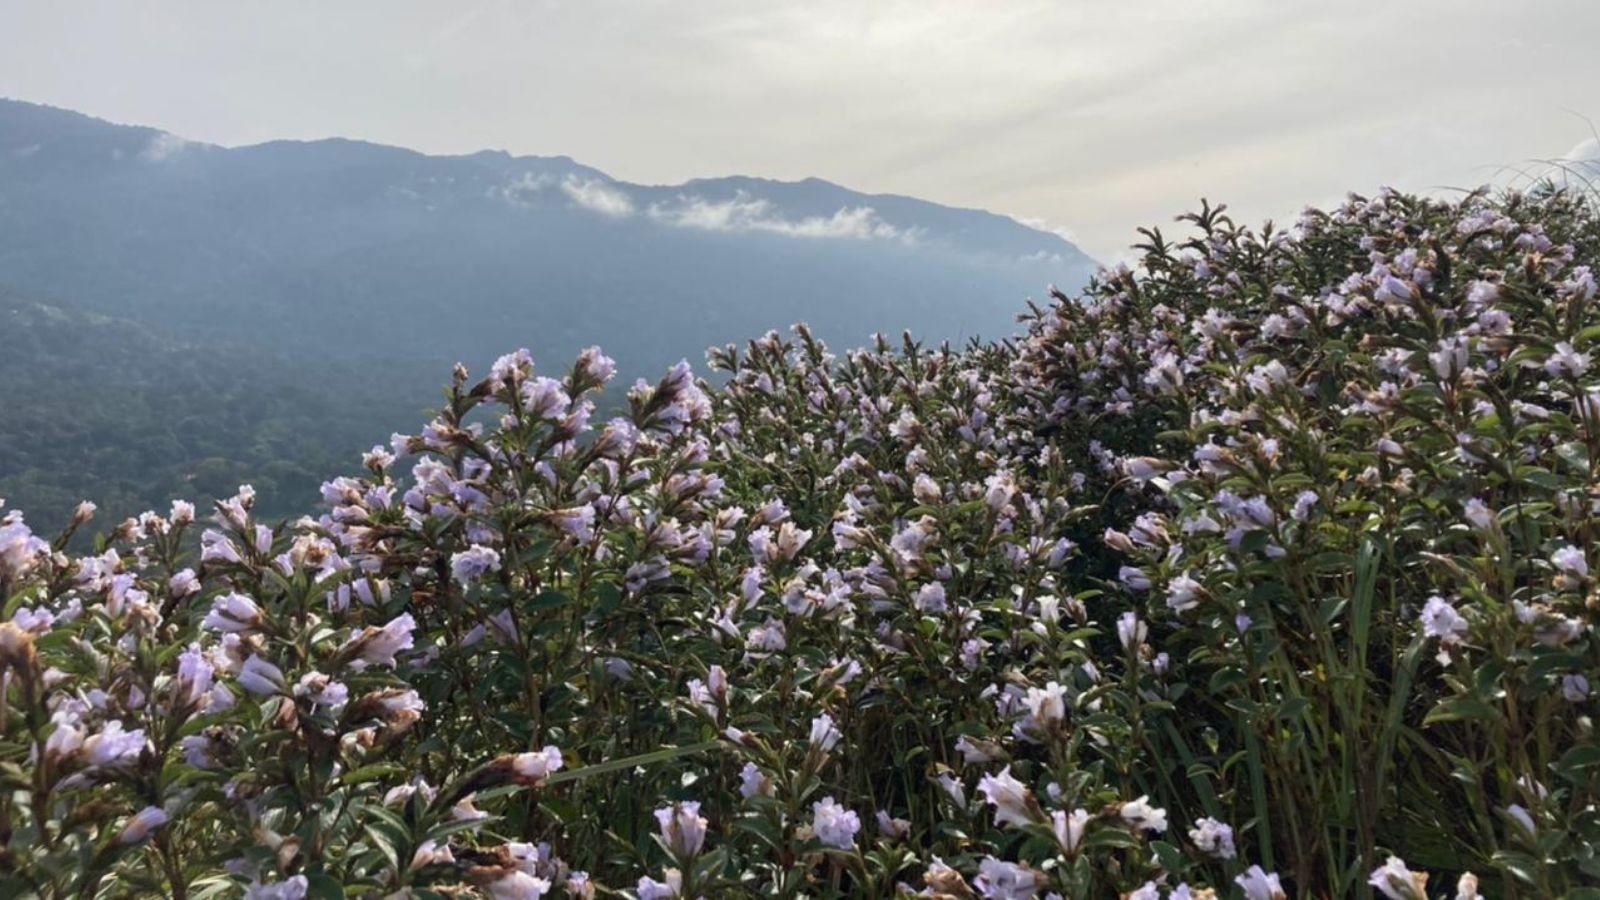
{"x":105,"y":410}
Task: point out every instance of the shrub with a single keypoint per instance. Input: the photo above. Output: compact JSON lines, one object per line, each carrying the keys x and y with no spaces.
{"x":1261,"y":569}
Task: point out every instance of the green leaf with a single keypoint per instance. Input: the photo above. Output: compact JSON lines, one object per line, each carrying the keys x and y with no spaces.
{"x":629,"y":762}
{"x":549,"y":600}
{"x":324,"y":887}
{"x":1460,"y":709}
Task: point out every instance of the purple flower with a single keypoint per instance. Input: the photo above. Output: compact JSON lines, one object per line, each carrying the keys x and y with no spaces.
{"x":378,"y":646}
{"x":469,"y":565}
{"x":834,"y":825}
{"x":261,"y":677}
{"x":683,"y":829}
{"x":113,"y":747}
{"x":233,"y":613}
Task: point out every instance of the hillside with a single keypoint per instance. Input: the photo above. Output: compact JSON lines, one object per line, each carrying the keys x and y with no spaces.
{"x":104,"y":408}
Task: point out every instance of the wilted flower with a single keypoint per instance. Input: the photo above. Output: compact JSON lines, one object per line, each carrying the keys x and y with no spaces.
{"x":1565,"y":361}
{"x":670,"y":886}
{"x":19,"y":549}
{"x":976,"y":751}
{"x":378,"y":646}
{"x":533,"y":768}
{"x":322,"y":691}
{"x":1479,"y":514}
{"x":1395,"y":881}
{"x":1047,"y":705}
{"x":891,"y":828}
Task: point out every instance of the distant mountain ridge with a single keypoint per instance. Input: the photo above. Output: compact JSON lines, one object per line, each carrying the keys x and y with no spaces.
{"x":210,"y":241}
{"x":345,"y":261}
{"x":41,"y":138}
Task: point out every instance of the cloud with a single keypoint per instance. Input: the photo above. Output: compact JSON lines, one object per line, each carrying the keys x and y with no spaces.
{"x":1577,"y":168}
{"x":525,"y":188}
{"x":1060,"y":231}
{"x":597,"y":196}
{"x":1587,"y":151}
{"x":162,"y":147}
{"x":593,"y":194}
{"x":740,"y":214}
{"x":743,"y":213}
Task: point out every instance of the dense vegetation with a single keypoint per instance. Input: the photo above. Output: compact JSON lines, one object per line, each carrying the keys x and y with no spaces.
{"x":105,"y":409}
{"x":1261,"y":569}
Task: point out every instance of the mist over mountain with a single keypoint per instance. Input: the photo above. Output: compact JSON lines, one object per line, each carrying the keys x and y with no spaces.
{"x":362,"y":250}
{"x":340,"y":259}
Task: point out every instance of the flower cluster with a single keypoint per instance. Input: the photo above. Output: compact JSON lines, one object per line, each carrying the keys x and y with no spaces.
{"x":1259,"y":570}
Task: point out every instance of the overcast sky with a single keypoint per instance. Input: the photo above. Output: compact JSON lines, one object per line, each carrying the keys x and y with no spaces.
{"x":1093,"y":117}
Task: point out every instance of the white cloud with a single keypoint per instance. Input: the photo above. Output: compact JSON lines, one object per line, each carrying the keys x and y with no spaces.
{"x":1579,"y":168}
{"x":1587,"y":151}
{"x":525,"y":188}
{"x":1060,"y":231}
{"x":744,"y":214}
{"x":162,"y":147}
{"x":597,"y":196}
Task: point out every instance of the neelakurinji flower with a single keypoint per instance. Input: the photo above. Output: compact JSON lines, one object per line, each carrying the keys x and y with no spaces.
{"x":834,"y":825}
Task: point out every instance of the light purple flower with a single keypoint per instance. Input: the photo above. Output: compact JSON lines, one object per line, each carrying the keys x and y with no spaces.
{"x":834,"y":825}
{"x":469,"y":565}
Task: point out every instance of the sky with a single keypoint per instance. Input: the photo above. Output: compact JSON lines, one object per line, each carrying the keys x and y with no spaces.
{"x":1090,"y":118}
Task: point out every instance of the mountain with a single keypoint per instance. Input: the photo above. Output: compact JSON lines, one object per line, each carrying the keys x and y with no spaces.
{"x":349,"y":248}
{"x":341,"y":264}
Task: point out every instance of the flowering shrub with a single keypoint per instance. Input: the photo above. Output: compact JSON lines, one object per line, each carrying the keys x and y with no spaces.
{"x":1260,"y":570}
